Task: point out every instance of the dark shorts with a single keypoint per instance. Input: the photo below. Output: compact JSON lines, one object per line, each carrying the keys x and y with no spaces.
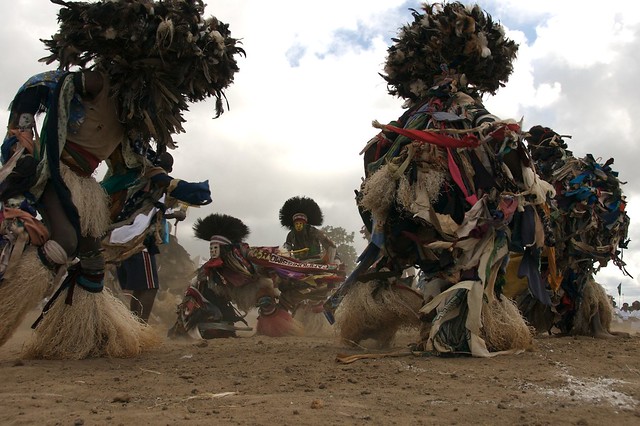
{"x":139,"y":272}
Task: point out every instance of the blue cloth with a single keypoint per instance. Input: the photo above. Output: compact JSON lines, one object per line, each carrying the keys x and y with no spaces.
{"x":5,"y":150}
{"x":530,"y":268}
{"x":46,"y":100}
{"x":194,"y":193}
{"x":139,"y":272}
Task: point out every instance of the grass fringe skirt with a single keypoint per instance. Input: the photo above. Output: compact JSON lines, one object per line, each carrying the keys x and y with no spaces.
{"x":21,"y":291}
{"x":95,"y":325}
{"x":363,"y":315}
{"x":504,"y":328}
{"x":594,"y":302}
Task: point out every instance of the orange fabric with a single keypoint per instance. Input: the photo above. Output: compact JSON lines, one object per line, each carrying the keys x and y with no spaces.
{"x":38,"y":233}
{"x":25,"y":138}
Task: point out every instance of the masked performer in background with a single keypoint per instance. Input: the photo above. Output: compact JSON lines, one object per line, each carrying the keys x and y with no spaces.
{"x":135,"y":64}
{"x":442,"y":184}
{"x":228,"y":280}
{"x":301,"y":215}
{"x":301,"y":296}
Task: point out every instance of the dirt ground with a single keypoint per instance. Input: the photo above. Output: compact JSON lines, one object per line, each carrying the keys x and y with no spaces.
{"x":253,"y":380}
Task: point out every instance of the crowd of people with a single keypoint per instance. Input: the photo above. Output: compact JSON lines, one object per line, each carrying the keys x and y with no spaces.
{"x":633,"y":307}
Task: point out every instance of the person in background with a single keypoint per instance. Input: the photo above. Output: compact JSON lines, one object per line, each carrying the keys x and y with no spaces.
{"x":301,"y":215}
{"x":156,"y":189}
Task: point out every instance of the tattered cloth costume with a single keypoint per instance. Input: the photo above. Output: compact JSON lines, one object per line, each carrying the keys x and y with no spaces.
{"x":152,"y":58}
{"x":587,"y":228}
{"x":443,"y":184}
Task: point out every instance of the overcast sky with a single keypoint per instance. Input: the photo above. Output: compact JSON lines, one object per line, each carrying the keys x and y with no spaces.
{"x":302,"y":103}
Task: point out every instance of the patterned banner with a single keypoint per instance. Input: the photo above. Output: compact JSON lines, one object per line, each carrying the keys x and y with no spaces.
{"x":264,"y":256}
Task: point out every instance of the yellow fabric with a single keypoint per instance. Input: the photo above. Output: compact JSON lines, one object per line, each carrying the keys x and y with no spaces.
{"x":37,"y":232}
{"x":554,"y":278}
{"x":514,"y":285}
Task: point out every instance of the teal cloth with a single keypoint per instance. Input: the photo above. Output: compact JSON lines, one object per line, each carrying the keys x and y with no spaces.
{"x":116,"y":183}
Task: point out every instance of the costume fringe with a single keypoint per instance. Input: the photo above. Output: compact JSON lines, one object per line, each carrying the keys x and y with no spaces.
{"x":405,"y":194}
{"x":279,"y":324}
{"x":21,"y":291}
{"x":504,"y":328}
{"x":315,"y":323}
{"x":426,"y":188}
{"x":594,"y":302}
{"x":537,"y":314}
{"x":91,"y":201}
{"x":379,"y":191}
{"x":95,"y":325}
{"x":361,"y":315}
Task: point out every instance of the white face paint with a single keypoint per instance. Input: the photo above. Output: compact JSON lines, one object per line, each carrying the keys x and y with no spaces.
{"x":214,"y":250}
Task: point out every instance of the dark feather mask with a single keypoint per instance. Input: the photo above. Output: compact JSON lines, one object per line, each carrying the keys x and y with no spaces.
{"x":158,"y":55}
{"x":223,"y":225}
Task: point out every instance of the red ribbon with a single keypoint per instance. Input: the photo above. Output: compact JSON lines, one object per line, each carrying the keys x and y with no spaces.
{"x":443,"y":141}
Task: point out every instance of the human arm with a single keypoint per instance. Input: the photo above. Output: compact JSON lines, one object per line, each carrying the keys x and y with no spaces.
{"x":322,"y":238}
{"x":193,"y":193}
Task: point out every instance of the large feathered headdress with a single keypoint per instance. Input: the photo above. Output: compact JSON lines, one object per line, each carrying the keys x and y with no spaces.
{"x":221,"y":225}
{"x":159,"y":55}
{"x":297,"y":206}
{"x":448,"y":38}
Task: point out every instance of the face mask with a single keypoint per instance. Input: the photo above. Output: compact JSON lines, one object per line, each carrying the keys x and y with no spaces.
{"x":214,"y":250}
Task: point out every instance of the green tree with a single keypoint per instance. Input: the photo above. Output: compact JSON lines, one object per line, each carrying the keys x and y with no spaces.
{"x":344,"y":245}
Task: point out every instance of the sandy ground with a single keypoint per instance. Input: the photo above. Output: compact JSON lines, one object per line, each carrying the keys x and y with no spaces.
{"x":255,"y":380}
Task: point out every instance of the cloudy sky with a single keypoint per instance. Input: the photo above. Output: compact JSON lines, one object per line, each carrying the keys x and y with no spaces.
{"x":302,"y":104}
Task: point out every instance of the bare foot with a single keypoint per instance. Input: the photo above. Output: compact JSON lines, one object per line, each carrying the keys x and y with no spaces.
{"x":599,"y":332}
{"x":603,"y":335}
{"x":621,"y":334}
